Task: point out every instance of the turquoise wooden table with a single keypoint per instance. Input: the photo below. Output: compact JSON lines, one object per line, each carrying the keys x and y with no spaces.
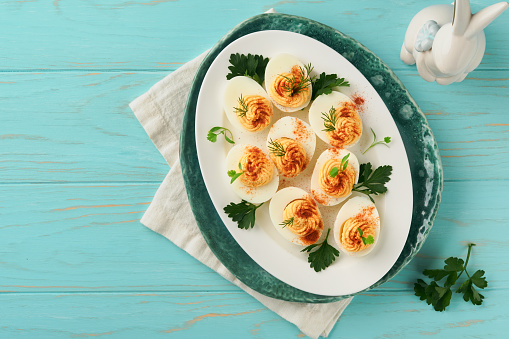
{"x":77,"y":172}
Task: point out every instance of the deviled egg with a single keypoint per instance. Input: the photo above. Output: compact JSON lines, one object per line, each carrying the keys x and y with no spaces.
{"x":288,"y":82}
{"x":253,"y":177}
{"x":296,"y":216}
{"x":335,"y":119}
{"x":335,"y":173}
{"x":357,"y":227}
{"x":291,"y":143}
{"x":247,"y":105}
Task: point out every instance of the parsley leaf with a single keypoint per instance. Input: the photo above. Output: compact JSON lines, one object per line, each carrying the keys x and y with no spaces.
{"x":334,"y":172}
{"x":234,"y":175}
{"x":372,"y":182}
{"x":369,"y":240}
{"x":478,"y":279}
{"x":215,"y":131}
{"x":243,"y":213}
{"x":323,"y":257}
{"x":440,"y":296}
{"x":385,"y":142}
{"x":365,"y":240}
{"x":325,"y":83}
{"x":250,"y":65}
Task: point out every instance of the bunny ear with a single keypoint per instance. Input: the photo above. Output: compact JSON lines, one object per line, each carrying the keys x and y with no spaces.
{"x":484,"y":17}
{"x":461,"y":18}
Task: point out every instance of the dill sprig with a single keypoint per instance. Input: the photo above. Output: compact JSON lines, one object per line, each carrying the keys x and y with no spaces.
{"x":329,"y":120}
{"x":242,"y":110}
{"x":300,"y":82}
{"x":287,"y":222}
{"x":276,"y":148}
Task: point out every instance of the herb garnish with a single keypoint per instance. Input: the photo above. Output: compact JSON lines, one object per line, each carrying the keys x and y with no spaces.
{"x":234,"y":175}
{"x":276,"y":148}
{"x":215,"y":131}
{"x":372,"y":182}
{"x":440,"y":297}
{"x":329,"y":120}
{"x":323,"y":257}
{"x":385,"y":142}
{"x":366,"y":240}
{"x":242,"y":110}
{"x":298,"y":84}
{"x":250,"y":65}
{"x":335,"y":171}
{"x":325,"y":83}
{"x":287,"y":222}
{"x":243,"y":213}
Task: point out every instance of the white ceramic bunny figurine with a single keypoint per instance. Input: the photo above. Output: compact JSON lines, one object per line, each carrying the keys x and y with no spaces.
{"x":447,"y":41}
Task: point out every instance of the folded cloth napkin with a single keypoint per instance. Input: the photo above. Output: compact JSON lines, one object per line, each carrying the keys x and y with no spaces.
{"x":160,"y":111}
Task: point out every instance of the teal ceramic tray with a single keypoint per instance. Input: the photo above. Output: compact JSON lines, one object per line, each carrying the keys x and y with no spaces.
{"x":420,"y":145}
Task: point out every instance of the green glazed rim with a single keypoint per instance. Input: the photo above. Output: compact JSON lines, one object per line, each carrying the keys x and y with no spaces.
{"x":420,"y":145}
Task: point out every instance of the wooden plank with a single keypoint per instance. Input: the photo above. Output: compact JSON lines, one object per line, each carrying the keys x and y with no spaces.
{"x":77,"y":238}
{"x":237,"y":315}
{"x":77,"y":127}
{"x":134,"y":35}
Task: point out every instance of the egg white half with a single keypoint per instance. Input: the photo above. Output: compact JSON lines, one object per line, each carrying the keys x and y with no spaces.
{"x":350,"y":209}
{"x":254,"y":195}
{"x":283,"y":63}
{"x":331,"y":153}
{"x":323,"y":104}
{"x":234,"y":88}
{"x":277,"y":205}
{"x":296,"y":129}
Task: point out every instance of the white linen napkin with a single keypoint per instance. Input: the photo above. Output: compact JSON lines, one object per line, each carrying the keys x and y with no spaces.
{"x":160,"y":112}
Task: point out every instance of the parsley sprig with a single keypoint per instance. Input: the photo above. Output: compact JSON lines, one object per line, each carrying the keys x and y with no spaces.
{"x":329,"y":120}
{"x":250,"y":65}
{"x":385,"y":142}
{"x":365,"y":240}
{"x":234,"y":174}
{"x":287,"y":222}
{"x":215,"y":131}
{"x":242,"y":110}
{"x":335,"y":171}
{"x":440,"y":296}
{"x":297,"y":84}
{"x":276,"y":148}
{"x":243,"y":213}
{"x":325,"y":83}
{"x":372,"y":182}
{"x":323,"y":257}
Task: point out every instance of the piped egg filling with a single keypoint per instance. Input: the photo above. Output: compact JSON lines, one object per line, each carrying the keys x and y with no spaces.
{"x":340,"y":185}
{"x":257,"y":169}
{"x":288,"y":155}
{"x":254,"y":112}
{"x":303,"y":219}
{"x":291,"y":89}
{"x":348,"y":126}
{"x":351,"y":238}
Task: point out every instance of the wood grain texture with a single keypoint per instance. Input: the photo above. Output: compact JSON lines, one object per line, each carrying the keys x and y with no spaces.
{"x":77,"y":172}
{"x":234,"y":315}
{"x":78,"y":238}
{"x":134,"y":35}
{"x":84,"y":130}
